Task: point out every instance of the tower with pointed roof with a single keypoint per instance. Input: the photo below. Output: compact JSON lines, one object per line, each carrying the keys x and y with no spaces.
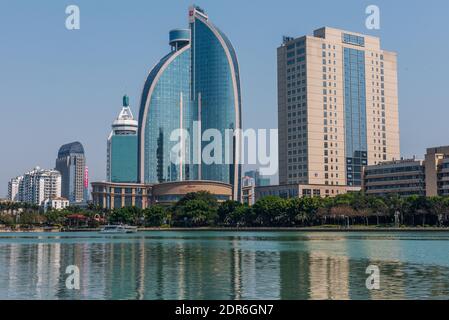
{"x":122,"y":147}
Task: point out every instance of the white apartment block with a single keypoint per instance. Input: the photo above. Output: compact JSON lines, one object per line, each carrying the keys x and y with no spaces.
{"x":55,"y":203}
{"x":35,"y":186}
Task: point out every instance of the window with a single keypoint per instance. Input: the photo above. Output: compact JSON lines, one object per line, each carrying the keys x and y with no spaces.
{"x":353,"y":39}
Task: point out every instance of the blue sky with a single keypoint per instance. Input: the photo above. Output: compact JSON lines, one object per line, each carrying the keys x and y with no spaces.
{"x":58,"y":86}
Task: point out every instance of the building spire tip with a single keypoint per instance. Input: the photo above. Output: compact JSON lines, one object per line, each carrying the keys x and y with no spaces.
{"x":125,"y":101}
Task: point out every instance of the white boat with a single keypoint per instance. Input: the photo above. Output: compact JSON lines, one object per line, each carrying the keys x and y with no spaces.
{"x":118,"y":229}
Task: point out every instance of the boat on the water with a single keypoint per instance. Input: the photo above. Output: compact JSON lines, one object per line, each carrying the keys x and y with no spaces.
{"x":118,"y":229}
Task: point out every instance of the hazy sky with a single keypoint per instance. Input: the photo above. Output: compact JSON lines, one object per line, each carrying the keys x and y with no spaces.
{"x":58,"y":86}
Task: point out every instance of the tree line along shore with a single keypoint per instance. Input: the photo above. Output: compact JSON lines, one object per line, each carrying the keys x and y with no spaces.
{"x":202,"y":210}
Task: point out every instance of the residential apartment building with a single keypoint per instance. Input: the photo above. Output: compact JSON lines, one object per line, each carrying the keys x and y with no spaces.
{"x":58,"y":203}
{"x":337,"y":107}
{"x":35,"y":187}
{"x":15,"y":189}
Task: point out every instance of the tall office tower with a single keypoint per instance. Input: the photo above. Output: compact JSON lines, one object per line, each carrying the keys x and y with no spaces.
{"x":71,"y":163}
{"x":122,"y":147}
{"x":35,"y":186}
{"x":195,"y":87}
{"x":337,"y":107}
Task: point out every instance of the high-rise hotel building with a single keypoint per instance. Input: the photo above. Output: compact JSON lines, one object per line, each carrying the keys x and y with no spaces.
{"x":337,"y":107}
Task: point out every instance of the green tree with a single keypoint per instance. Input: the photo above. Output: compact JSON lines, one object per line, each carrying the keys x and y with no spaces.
{"x":377,"y":207}
{"x":195,"y":213}
{"x":439,"y":206}
{"x":54,"y":217}
{"x":396,"y":205}
{"x":227,"y":213}
{"x":127,"y":215}
{"x":195,"y":209}
{"x":270,"y":211}
{"x":156,"y":216}
{"x":30,"y":218}
{"x":416,"y":206}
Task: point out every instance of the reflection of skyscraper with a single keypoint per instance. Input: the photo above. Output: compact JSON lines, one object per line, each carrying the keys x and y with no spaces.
{"x":198,"y":82}
{"x":329,"y":276}
{"x":122,"y":147}
{"x":71,"y":164}
{"x":294,"y":275}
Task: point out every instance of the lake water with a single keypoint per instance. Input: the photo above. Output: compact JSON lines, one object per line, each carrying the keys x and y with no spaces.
{"x":225,"y":265}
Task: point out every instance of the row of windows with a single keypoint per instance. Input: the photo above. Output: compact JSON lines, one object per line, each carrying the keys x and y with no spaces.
{"x":296,"y":91}
{"x":397,"y":186}
{"x":299,"y":43}
{"x":353,"y":39}
{"x":299,"y":106}
{"x":395,"y":170}
{"x":298,"y":175}
{"x":396,"y":178}
{"x":445,"y":166}
{"x":297,"y":60}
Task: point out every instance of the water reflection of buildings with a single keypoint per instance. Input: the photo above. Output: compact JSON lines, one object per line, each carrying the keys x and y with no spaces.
{"x":254,"y":273}
{"x":329,"y":276}
{"x":393,"y":278}
{"x":211,"y":266}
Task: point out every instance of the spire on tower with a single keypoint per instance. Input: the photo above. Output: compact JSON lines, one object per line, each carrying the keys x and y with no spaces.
{"x":125,"y":101}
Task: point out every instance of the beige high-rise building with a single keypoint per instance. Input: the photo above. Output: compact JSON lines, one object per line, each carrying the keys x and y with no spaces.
{"x":437,"y":171}
{"x":337,"y":107}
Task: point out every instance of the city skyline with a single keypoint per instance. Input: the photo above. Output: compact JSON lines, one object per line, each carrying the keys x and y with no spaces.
{"x":89,"y":128}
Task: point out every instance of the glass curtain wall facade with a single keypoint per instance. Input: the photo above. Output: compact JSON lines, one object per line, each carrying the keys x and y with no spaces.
{"x":216,"y":94}
{"x":355,"y":115}
{"x":165,"y":103}
{"x":123,"y":150}
{"x":197,"y":85}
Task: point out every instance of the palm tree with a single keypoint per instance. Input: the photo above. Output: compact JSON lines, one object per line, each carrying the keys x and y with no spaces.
{"x":439,"y":207}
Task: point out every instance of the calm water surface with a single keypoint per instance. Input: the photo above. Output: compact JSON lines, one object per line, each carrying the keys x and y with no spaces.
{"x":225,"y":265}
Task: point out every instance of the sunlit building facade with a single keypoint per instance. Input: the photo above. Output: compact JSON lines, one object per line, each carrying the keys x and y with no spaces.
{"x":196,"y":87}
{"x":337,"y":107}
{"x":35,"y":186}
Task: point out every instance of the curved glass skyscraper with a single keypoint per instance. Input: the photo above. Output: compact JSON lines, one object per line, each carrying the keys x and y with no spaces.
{"x":196,"y":87}
{"x":165,"y":104}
